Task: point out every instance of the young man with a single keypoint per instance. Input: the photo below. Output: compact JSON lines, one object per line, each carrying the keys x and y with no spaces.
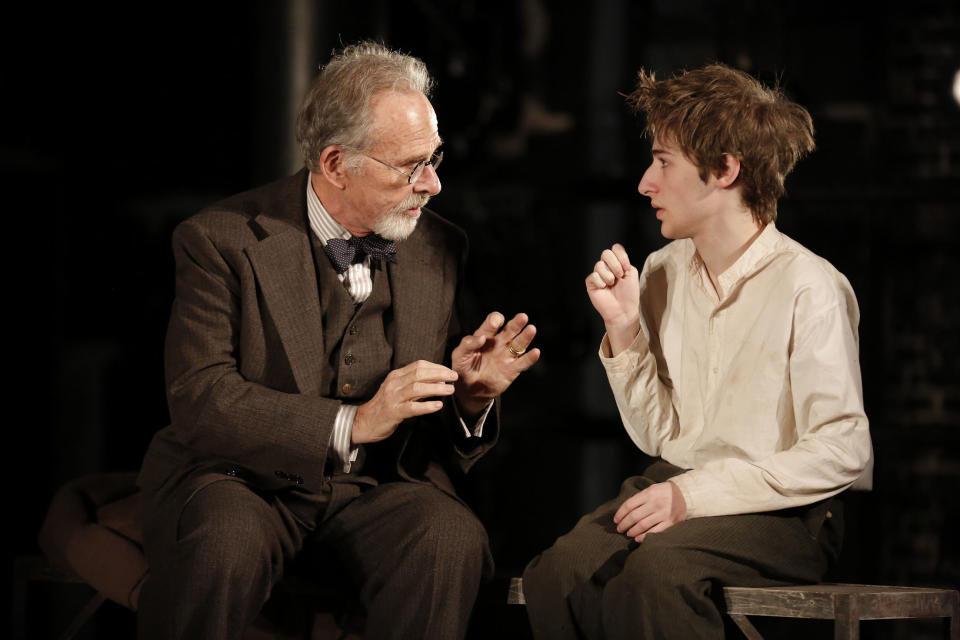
{"x":323,"y":399}
{"x":733,"y":358}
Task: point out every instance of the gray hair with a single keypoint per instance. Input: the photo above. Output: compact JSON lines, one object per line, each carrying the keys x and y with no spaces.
{"x":336,"y":109}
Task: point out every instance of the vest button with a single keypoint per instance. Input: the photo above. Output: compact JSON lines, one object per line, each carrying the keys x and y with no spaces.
{"x":349,"y":359}
{"x":347,"y":389}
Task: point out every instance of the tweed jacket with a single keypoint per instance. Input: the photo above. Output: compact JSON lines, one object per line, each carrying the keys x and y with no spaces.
{"x":245,"y":364}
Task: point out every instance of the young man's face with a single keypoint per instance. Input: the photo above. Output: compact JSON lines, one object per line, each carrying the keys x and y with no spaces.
{"x":681,"y":198}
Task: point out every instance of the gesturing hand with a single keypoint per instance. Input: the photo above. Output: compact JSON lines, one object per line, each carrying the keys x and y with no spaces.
{"x":655,"y":509}
{"x":485,"y":363}
{"x":614,"y":290}
{"x":399,"y":398}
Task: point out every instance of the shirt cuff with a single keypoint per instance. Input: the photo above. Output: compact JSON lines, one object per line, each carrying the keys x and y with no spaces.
{"x":345,"y":452}
{"x":477,"y":430}
{"x":687,"y":485}
{"x":627,"y":358}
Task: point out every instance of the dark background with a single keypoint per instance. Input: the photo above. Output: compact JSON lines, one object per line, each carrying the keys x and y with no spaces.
{"x":119,"y":122}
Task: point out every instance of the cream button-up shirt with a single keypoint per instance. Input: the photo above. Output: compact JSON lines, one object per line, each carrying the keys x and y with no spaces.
{"x":758,"y":394}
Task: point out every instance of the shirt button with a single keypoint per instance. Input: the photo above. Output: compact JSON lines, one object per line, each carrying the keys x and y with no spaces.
{"x":347,"y":388}
{"x":715,"y":370}
{"x":349,"y":359}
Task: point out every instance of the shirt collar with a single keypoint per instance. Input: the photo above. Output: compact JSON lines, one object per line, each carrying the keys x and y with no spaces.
{"x":765,"y":244}
{"x":747,"y":263}
{"x":321,"y":222}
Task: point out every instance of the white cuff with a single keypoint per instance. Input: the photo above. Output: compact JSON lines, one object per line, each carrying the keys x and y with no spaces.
{"x":477,"y":430}
{"x":342,"y":432}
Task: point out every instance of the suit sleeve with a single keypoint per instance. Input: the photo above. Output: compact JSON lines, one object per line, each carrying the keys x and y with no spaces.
{"x":464,"y":451}
{"x":265,"y":426}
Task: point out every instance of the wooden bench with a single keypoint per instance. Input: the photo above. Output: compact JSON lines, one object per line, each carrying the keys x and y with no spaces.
{"x":846,"y":604}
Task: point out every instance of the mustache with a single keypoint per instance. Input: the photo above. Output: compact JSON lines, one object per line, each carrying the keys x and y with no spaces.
{"x":414,"y":201}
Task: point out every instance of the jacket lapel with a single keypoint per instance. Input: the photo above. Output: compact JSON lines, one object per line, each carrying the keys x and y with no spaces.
{"x":284,"y":267}
{"x":421,"y":282}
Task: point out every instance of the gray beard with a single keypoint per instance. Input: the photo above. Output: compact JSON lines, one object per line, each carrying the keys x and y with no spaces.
{"x":396,"y":225}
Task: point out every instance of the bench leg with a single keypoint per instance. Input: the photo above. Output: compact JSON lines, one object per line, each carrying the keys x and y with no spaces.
{"x":515,"y":592}
{"x":954,"y":622}
{"x":847,"y":623}
{"x":81,"y":618}
{"x":746,"y":626}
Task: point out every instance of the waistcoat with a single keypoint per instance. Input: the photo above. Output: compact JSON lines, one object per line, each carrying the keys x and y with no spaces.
{"x":358,"y":339}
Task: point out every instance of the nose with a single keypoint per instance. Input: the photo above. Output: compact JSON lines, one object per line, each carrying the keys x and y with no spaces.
{"x":428,"y":182}
{"x":646,"y":186}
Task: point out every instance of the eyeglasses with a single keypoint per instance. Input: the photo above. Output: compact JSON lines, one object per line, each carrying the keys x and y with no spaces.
{"x":417,"y":171}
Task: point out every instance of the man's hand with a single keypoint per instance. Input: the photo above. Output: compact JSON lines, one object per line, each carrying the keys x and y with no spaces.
{"x":486,"y":364}
{"x":655,"y":509}
{"x":401,"y":396}
{"x":614,"y":290}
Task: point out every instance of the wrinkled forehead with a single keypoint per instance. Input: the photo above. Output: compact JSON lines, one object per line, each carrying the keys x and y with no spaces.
{"x":403,"y":118}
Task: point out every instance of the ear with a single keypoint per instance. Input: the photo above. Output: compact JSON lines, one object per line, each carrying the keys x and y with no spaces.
{"x":730,"y":172}
{"x":333,"y":167}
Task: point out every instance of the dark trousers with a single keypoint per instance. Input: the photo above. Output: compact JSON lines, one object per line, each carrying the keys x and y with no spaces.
{"x":415,"y":554}
{"x":597,"y":583}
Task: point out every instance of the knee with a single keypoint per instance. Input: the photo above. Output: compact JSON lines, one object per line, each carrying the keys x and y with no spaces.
{"x":448,"y":529}
{"x":440,"y":531}
{"x":553,"y":567}
{"x":233,"y":550}
{"x":588,"y":552}
{"x":658,"y":570}
{"x":224,"y":543}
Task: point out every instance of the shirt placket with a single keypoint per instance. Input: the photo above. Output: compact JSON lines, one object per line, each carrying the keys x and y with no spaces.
{"x":715,"y":332}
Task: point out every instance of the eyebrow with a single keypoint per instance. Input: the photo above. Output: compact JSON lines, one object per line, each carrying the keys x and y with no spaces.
{"x":657,"y":151}
{"x":415,"y":160}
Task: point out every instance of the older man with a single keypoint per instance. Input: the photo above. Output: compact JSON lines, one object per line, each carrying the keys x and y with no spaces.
{"x":310,"y":407}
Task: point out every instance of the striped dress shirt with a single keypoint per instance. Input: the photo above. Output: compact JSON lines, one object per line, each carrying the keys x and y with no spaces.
{"x":358,"y":279}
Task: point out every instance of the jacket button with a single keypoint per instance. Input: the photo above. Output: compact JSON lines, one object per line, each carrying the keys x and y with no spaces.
{"x":347,"y":388}
{"x":353,"y":330}
{"x":349,"y":359}
{"x":232,"y":472}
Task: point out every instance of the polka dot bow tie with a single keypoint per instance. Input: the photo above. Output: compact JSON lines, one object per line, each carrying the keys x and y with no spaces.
{"x":344,"y":253}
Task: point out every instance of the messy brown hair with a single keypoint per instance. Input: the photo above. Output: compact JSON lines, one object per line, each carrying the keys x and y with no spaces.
{"x":715,"y":110}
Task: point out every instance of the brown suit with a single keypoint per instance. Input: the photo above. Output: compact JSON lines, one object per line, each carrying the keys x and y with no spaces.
{"x":255,"y":379}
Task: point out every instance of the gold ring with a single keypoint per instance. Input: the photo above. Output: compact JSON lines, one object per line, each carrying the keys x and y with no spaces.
{"x":514,"y":351}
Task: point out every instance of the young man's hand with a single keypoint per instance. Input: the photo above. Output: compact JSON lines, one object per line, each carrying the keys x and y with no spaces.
{"x":655,"y":509}
{"x":614,"y":290}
